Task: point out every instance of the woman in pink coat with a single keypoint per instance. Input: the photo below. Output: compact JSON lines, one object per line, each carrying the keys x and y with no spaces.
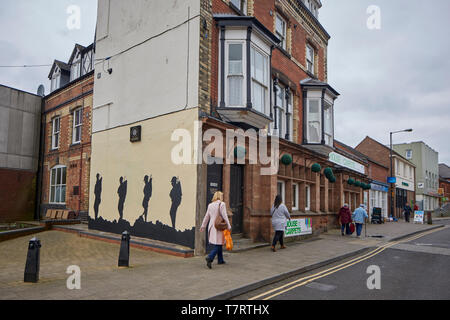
{"x":216,"y":237}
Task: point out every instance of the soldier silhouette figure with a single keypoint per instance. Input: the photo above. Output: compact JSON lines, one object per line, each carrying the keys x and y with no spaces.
{"x":98,"y":194}
{"x":147,"y":195}
{"x":122,"y":191}
{"x":175,"y":196}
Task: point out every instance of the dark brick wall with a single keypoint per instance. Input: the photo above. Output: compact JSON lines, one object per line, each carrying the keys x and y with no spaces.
{"x":17,"y":195}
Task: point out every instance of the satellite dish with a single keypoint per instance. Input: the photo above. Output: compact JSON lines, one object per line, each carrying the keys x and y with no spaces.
{"x":41,"y":91}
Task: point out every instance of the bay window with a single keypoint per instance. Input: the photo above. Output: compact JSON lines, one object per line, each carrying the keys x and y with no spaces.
{"x":58,"y":185}
{"x":245,"y":50}
{"x":318,"y":113}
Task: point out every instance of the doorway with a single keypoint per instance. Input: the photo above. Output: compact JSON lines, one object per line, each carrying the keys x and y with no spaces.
{"x":213,"y":184}
{"x":236,"y":197}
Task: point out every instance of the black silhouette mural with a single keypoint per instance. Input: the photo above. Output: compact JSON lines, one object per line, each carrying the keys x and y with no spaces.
{"x":122,"y":191}
{"x":175,"y":196}
{"x":147,"y":195}
{"x":142,"y":228}
{"x":98,"y":194}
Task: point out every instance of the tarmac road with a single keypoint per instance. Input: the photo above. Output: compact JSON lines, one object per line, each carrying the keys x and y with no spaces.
{"x":414,"y":268}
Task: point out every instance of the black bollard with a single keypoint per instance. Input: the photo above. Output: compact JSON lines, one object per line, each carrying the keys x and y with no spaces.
{"x":124,"y":254}
{"x":32,"y":264}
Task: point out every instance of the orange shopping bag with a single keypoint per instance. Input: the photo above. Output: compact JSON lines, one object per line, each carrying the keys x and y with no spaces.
{"x":228,"y":240}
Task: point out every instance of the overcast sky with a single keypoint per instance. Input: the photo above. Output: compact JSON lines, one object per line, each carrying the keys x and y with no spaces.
{"x":394,"y":78}
{"x":390,"y":79}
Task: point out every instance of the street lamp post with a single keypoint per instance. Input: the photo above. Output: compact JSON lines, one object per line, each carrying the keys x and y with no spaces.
{"x":391,"y":173}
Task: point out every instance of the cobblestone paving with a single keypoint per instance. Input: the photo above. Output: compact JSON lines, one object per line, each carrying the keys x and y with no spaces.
{"x":157,"y":276}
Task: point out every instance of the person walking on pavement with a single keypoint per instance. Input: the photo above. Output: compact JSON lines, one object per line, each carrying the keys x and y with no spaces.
{"x":345,"y":216}
{"x":280,"y":214}
{"x":215,"y":208}
{"x":359,"y":216}
{"x":407,"y":210}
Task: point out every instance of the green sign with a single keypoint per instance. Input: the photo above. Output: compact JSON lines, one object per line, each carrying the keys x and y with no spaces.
{"x":298,"y":227}
{"x":405,"y":184}
{"x":346,"y":162}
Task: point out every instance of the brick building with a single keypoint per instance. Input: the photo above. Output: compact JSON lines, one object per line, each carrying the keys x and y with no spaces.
{"x":444,"y":184}
{"x":255,"y":68}
{"x":403,"y":170}
{"x":67,"y":134}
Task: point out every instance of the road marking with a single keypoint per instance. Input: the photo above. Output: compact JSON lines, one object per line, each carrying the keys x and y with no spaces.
{"x":305,"y":280}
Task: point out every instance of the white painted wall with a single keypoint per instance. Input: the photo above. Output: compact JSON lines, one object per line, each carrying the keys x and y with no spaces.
{"x":157,"y":77}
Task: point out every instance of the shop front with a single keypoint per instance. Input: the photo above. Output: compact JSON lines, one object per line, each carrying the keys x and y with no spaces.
{"x":378,"y":196}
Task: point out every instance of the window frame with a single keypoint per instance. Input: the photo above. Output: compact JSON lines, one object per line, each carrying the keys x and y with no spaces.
{"x":310,"y":48}
{"x":242,"y":5}
{"x":326,"y":134}
{"x":76,"y":126}
{"x":57,"y":133}
{"x":254,"y":80}
{"x":308,"y":120}
{"x":62,"y":186}
{"x":295,"y":198}
{"x":241,"y":76}
{"x":282,"y":36}
{"x":307,"y":197}
{"x":282,"y":111}
{"x":283,"y":190}
{"x":408,"y":152}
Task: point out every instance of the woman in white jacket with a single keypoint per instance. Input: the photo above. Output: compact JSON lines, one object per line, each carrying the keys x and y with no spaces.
{"x":280,"y":214}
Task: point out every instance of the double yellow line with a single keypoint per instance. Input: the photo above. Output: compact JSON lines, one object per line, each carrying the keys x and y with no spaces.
{"x":305,"y":280}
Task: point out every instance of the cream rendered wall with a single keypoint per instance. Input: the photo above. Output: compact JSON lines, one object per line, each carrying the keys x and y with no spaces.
{"x":153,"y":78}
{"x":114,"y":156}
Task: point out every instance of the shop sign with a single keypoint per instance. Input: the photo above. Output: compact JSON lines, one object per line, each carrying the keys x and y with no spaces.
{"x":377,"y":187}
{"x":420,"y":185}
{"x":391,"y":180}
{"x":441,"y":191}
{"x":346,"y":162}
{"x":298,"y":227}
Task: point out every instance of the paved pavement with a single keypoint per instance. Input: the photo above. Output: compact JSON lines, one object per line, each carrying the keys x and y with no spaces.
{"x":156,"y":276}
{"x":415,"y":270}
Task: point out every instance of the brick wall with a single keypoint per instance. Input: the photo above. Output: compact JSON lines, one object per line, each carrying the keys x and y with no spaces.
{"x":17,"y":195}
{"x":375,"y":151}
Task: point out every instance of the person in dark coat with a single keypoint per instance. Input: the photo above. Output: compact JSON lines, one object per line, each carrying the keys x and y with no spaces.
{"x":345,"y":216}
{"x":407,"y":210}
